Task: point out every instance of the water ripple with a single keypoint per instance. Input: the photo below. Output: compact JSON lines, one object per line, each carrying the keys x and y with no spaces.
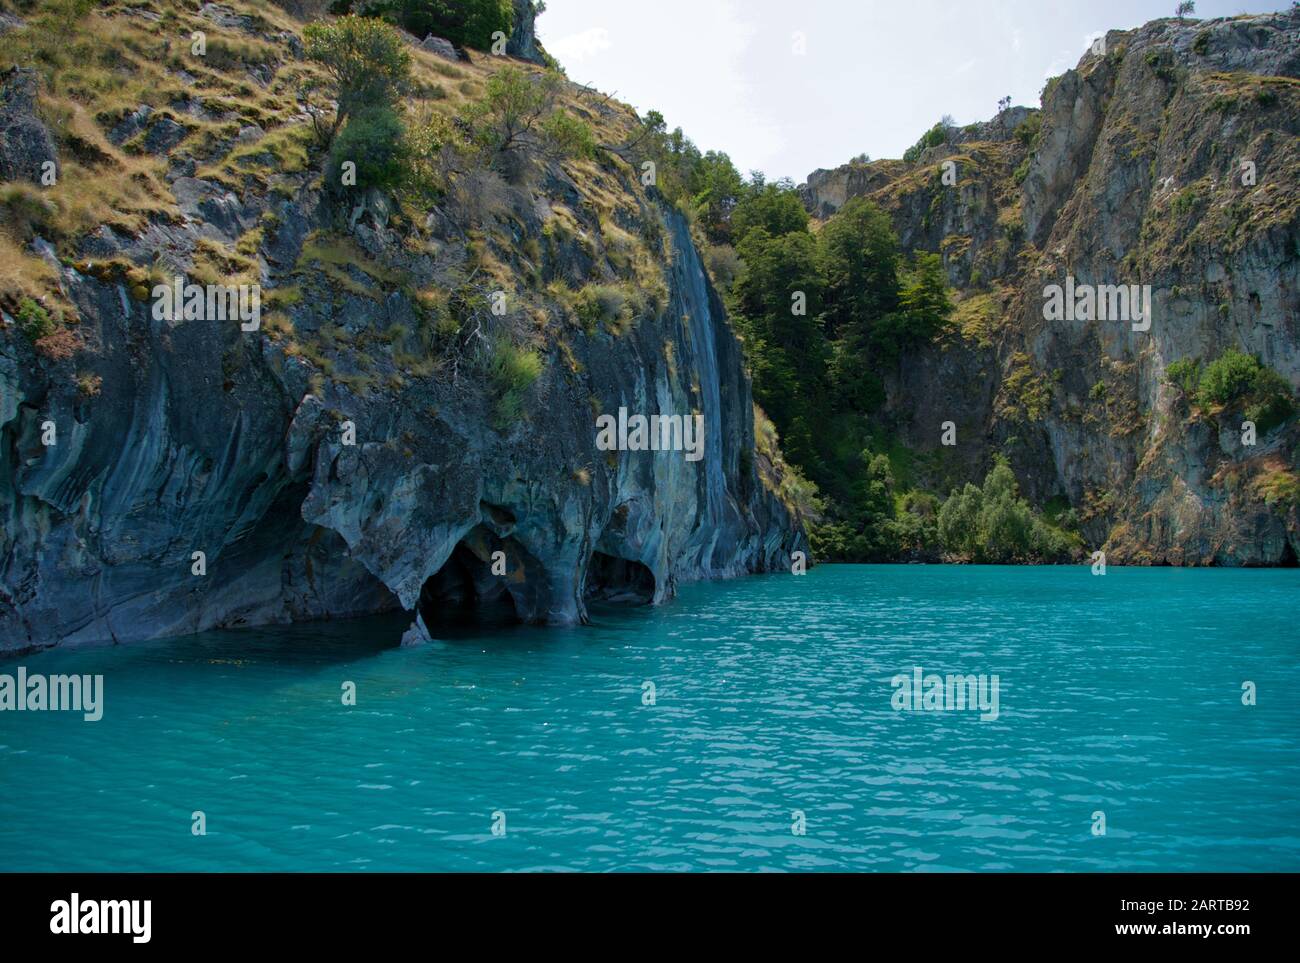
{"x":771,"y":712}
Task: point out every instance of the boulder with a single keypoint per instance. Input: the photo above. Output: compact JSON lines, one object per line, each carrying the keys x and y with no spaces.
{"x":440,"y":47}
{"x":130,"y":125}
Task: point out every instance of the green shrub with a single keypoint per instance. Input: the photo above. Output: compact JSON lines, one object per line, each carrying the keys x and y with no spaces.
{"x":33,"y":320}
{"x":513,"y":109}
{"x":933,"y":137}
{"x":1028,"y":394}
{"x":608,"y":304}
{"x":1227,"y":378}
{"x":958,"y":521}
{"x":1028,"y":132}
{"x":988,"y":523}
{"x":869,"y":530}
{"x":568,"y":135}
{"x":1161,"y":64}
{"x":1185,"y":373}
{"x":1236,"y":376}
{"x":512,"y":370}
{"x":830,"y":541}
{"x":1280,"y":489}
{"x":1051,"y":544}
{"x":375,"y":141}
{"x":993,"y":524}
{"x":424,"y":144}
{"x":1271,"y":400}
{"x":1004,"y":522}
{"x":916,"y":525}
{"x":1184,"y":202}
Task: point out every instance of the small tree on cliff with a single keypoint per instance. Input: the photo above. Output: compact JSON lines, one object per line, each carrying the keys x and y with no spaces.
{"x":1185,"y":9}
{"x":519,"y":111}
{"x":367,"y":62}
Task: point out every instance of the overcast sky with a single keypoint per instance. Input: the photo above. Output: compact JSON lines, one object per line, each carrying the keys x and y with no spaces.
{"x":874,"y":76}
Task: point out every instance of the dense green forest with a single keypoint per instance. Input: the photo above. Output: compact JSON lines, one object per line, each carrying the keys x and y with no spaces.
{"x":823,"y":312}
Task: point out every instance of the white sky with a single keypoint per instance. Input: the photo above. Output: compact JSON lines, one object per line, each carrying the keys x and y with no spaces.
{"x":875,"y":75}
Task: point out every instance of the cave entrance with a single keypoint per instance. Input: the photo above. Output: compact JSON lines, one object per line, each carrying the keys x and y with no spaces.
{"x":613,"y":579}
{"x":465,"y":591}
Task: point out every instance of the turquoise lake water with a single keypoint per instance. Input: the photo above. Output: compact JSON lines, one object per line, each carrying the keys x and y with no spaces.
{"x":1120,"y":694}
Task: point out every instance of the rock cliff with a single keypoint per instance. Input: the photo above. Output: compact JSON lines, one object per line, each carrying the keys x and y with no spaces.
{"x":1168,"y":157}
{"x":358,"y":452}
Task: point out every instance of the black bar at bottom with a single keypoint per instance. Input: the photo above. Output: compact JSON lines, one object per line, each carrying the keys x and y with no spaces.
{"x":333,"y":911}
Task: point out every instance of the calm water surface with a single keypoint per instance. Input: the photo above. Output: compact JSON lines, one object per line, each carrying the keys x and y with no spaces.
{"x":1119,"y":694}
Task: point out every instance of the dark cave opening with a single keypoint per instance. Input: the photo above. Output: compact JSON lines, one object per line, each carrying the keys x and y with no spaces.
{"x":1288,"y":559}
{"x":466,"y":592}
{"x":612,"y":579}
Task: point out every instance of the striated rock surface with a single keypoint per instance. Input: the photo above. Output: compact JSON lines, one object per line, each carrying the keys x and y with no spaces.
{"x":356,"y":452}
{"x":172,"y":458}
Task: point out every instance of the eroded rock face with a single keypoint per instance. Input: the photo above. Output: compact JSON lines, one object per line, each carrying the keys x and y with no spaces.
{"x":543,"y":495}
{"x":366,"y":448}
{"x":354,"y":454}
{"x":1135,"y":176}
{"x":206,"y":439}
